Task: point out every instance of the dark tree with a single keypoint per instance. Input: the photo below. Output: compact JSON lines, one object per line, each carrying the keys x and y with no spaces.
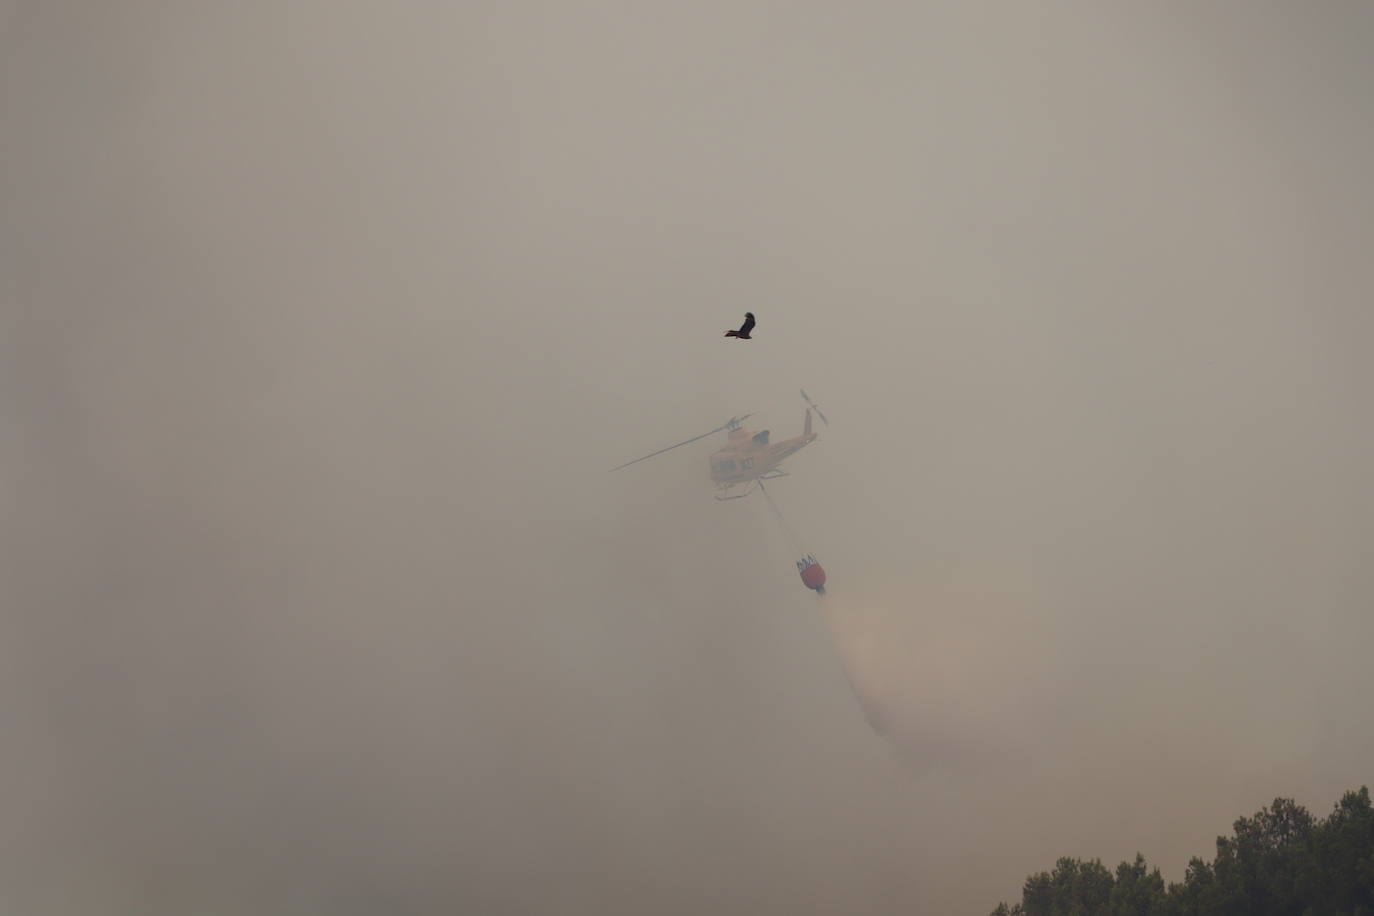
{"x":1280,"y":862}
{"x":1138,"y":891}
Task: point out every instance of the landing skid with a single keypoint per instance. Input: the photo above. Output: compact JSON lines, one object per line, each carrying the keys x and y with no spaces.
{"x":749,"y":485}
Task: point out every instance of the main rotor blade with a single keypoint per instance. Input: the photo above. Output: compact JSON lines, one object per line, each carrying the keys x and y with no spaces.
{"x":683,"y":442}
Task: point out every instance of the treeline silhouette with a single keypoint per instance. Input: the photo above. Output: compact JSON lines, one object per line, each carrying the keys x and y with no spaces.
{"x":1281,"y":862}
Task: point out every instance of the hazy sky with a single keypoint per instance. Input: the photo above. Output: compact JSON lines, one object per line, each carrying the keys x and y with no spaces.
{"x":320,"y":324}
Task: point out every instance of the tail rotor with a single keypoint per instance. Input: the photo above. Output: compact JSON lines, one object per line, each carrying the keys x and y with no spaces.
{"x":811,"y":405}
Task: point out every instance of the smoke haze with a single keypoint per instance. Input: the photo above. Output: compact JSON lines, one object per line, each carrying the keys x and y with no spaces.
{"x":320,"y":324}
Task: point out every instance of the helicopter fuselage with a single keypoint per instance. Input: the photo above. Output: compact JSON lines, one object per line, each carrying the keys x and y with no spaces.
{"x":749,"y":455}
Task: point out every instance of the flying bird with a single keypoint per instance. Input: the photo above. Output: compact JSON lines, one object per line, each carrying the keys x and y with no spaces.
{"x":744,"y":329}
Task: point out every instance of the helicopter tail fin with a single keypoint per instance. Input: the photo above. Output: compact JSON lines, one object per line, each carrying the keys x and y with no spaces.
{"x":807,"y":430}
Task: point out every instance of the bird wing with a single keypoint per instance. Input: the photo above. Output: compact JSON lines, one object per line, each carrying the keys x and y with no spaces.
{"x":748,"y":323}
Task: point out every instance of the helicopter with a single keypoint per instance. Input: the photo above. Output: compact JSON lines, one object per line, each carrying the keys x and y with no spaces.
{"x":748,"y":457}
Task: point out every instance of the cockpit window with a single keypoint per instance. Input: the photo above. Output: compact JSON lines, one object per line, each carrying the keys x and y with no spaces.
{"x":725,"y":464}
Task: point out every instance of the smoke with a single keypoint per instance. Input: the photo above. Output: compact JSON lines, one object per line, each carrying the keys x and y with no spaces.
{"x":322,"y":323}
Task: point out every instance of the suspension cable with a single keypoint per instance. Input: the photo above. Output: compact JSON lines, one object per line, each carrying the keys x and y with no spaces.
{"x":782,"y":522}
